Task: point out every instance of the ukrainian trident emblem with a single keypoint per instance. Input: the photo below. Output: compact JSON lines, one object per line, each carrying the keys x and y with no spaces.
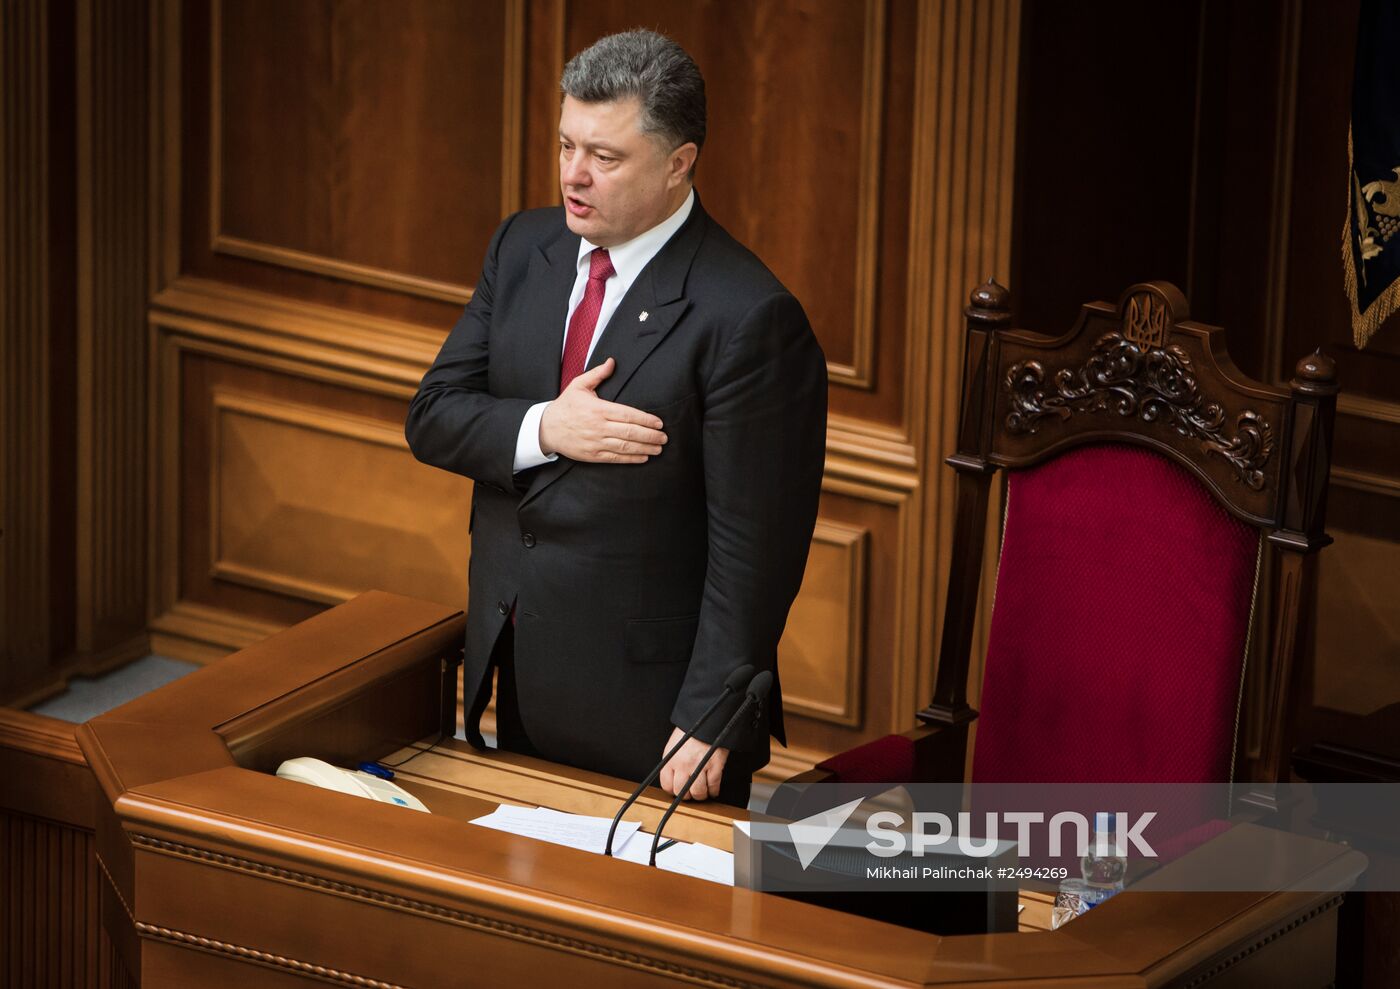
{"x":1145,"y":322}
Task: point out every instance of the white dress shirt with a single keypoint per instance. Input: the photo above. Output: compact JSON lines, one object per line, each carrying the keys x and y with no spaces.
{"x":628,"y":260}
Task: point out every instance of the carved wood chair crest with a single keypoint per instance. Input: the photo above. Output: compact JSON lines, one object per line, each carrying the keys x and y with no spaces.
{"x":1142,"y":371}
{"x":1135,"y":371}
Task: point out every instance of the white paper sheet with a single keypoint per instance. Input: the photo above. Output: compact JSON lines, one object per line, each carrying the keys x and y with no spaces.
{"x":572,"y":830}
{"x":703,"y":862}
{"x":630,"y":844}
{"x":638,"y":849}
{"x":699,"y":861}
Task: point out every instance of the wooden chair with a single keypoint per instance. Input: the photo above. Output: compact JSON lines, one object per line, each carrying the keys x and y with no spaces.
{"x":1145,"y":473}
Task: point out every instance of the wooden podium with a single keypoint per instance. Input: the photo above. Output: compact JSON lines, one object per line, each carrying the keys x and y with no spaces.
{"x":218,"y":874}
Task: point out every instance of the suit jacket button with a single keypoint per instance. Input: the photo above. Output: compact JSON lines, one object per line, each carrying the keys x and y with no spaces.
{"x":502,"y":607}
{"x":529,"y":540}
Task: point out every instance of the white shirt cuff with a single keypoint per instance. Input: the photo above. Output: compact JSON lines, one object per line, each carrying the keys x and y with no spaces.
{"x":527,"y":444}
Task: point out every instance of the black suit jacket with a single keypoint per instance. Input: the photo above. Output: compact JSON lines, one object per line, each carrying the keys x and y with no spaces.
{"x":637,"y":587}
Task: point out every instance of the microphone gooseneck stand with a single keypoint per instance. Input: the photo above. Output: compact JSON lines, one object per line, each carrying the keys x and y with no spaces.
{"x":732,"y":684}
{"x":756,"y":695}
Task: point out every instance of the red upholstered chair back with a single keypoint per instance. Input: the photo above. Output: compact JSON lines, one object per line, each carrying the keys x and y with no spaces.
{"x":1144,"y":474}
{"x":1118,"y":637}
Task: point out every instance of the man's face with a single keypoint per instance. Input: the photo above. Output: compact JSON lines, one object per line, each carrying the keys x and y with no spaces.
{"x":617,"y":181}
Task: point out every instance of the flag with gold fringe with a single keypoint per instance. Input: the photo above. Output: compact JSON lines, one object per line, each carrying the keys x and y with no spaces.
{"x":1371,"y":246}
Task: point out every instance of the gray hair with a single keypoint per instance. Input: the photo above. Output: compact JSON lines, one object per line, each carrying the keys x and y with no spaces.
{"x":655,"y":70}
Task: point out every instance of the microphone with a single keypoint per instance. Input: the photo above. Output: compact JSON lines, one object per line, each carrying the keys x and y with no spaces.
{"x":732,"y":684}
{"x":757,"y":694}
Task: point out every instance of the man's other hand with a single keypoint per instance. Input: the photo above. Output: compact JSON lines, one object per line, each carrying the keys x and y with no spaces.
{"x":678,"y":770}
{"x":582,"y":426}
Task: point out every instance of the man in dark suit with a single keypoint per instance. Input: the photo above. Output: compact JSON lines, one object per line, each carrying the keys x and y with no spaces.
{"x":642,"y":407}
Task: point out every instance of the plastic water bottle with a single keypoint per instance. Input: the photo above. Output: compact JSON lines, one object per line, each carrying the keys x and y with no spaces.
{"x":1103,"y":873}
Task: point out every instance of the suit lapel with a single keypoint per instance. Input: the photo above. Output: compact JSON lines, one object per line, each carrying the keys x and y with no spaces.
{"x":629,"y":339}
{"x":553,"y":268}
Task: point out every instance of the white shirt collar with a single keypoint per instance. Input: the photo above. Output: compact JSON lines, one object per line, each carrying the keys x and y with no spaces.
{"x":629,"y":258}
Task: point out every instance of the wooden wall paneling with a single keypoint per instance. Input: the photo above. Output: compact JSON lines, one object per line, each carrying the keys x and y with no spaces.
{"x":25,"y":634}
{"x":1357,"y":626}
{"x":962,"y":207}
{"x":163,"y":145}
{"x":880,"y":424}
{"x":50,"y":932}
{"x":358,"y":48}
{"x":822,"y":652}
{"x":1358,"y":622}
{"x":62,"y":421}
{"x":857,"y":369}
{"x":295,"y":498}
{"x":385,"y":357}
{"x":286,"y":477}
{"x":166,"y":180}
{"x":284,"y":480}
{"x":37,"y":422}
{"x":369,"y":115}
{"x":513,"y":107}
{"x":199,"y":633}
{"x":162,"y":492}
{"x":111,"y":332}
{"x":875,"y":506}
{"x":885,"y":420}
{"x":544,"y":64}
{"x":72,"y":346}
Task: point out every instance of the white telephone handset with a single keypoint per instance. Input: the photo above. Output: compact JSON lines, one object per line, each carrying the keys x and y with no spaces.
{"x":356,"y":784}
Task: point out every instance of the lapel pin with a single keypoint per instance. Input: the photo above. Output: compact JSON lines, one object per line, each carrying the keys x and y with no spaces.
{"x":642,"y":316}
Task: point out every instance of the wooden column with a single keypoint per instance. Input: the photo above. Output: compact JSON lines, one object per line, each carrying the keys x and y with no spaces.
{"x":73,"y":194}
{"x":25,"y":454}
{"x":112,"y":146}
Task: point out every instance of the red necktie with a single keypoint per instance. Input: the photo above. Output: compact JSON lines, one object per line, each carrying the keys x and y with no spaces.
{"x":585,"y":318}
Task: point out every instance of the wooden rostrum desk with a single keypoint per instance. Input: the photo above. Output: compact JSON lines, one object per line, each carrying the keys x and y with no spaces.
{"x":218,"y":874}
